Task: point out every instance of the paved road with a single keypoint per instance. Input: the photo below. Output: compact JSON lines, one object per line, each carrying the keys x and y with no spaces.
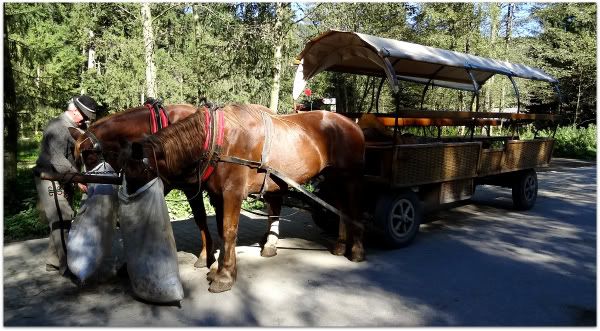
{"x":476,"y":265}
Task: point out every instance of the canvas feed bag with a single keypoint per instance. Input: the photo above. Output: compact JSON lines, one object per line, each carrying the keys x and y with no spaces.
{"x":150,"y":250}
{"x":90,"y":240}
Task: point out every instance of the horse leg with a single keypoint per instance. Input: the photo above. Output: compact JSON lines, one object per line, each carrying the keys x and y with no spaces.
{"x":340,"y":244}
{"x":274,"y":203}
{"x":355,"y":226}
{"x":196,"y":201}
{"x":339,"y":248}
{"x":217,"y":202}
{"x":225,"y":276}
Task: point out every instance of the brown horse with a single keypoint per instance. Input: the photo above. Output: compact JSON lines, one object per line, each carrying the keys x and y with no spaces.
{"x":303,"y":146}
{"x":115,"y":131}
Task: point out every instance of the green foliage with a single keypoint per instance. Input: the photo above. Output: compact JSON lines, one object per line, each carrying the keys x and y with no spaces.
{"x":252,"y":204}
{"x":566,"y":48}
{"x":25,"y":224}
{"x":579,"y":143}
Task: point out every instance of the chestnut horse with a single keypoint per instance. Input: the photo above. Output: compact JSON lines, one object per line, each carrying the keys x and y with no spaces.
{"x":114,"y":131}
{"x":303,"y":146}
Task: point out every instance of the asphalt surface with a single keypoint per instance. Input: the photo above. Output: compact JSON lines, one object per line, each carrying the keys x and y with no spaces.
{"x":481,"y":264}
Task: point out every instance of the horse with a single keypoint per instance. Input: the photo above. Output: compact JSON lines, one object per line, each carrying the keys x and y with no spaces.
{"x":133,"y":124}
{"x":306,"y":145}
{"x":104,"y":139}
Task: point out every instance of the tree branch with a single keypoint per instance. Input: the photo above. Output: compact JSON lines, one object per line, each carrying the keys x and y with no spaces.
{"x":126,"y":11}
{"x":165,"y":11}
{"x":306,"y":15}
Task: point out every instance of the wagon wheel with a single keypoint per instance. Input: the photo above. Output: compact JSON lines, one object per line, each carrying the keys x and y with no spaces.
{"x":323,"y":218}
{"x":524,"y":189}
{"x":398,"y":216}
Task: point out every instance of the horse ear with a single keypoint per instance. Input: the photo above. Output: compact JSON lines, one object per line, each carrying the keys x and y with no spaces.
{"x":137,"y":151}
{"x":75,"y":132}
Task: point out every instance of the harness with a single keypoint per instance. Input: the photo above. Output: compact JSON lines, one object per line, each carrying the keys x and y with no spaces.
{"x":96,"y":145}
{"x":213,"y":145}
{"x":158,"y":116}
{"x":158,"y":120}
{"x":214,"y":126}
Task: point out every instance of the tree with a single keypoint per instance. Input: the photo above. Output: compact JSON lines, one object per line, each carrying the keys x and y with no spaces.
{"x":10,"y":120}
{"x":567,"y":49}
{"x":151,"y":90}
{"x":281,"y":27}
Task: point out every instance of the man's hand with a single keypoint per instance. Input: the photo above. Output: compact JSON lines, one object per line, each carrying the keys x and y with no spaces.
{"x":82,"y":187}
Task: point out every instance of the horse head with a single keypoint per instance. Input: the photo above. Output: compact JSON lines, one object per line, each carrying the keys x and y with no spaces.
{"x":88,"y":151}
{"x":141,"y":162}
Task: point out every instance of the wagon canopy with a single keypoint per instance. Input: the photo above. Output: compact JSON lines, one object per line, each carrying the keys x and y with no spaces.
{"x":359,"y":53}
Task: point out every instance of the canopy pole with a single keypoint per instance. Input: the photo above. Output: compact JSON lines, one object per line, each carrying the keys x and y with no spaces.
{"x":379,"y":94}
{"x":429,"y":82}
{"x":512,"y":80}
{"x":475,"y":95}
{"x":390,"y":73}
{"x":559,"y":106}
{"x":516,"y":93}
{"x":423,"y":95}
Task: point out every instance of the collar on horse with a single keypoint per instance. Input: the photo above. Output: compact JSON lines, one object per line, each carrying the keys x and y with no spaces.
{"x":214,"y":126}
{"x":158,"y":115}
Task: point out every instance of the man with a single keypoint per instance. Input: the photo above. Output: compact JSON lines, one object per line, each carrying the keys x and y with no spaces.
{"x":56,"y":156}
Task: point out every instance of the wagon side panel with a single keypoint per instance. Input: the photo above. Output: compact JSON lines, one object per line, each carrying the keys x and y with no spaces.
{"x":434,"y":163}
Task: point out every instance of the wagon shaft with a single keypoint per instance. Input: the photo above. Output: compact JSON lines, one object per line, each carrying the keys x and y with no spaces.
{"x":76,"y":177}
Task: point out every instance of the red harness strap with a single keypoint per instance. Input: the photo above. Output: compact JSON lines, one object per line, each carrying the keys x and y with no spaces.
{"x":213,"y":142}
{"x":164,"y":120}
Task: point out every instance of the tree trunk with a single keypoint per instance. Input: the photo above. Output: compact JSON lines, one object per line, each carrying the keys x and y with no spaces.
{"x":578,"y":98}
{"x":197,"y":44}
{"x":494,"y":12}
{"x":509,"y":24}
{"x":151,"y":90}
{"x":277,"y":56}
{"x":91,"y":61}
{"x":11,"y":126}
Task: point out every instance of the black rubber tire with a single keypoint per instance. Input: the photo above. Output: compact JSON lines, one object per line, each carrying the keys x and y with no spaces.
{"x":398,"y":216}
{"x":524,"y":189}
{"x":323,"y":218}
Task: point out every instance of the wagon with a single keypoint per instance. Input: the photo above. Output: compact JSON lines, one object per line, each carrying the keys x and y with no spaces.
{"x":408,"y":173}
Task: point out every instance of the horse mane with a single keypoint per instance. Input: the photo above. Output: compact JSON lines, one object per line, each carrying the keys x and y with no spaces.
{"x":181,"y":141}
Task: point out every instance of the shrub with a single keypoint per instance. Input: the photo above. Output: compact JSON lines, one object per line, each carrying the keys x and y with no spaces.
{"x":25,"y":224}
{"x":579,"y":143}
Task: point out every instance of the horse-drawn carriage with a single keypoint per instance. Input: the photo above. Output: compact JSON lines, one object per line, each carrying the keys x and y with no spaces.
{"x":407,"y":174}
{"x":236,"y":150}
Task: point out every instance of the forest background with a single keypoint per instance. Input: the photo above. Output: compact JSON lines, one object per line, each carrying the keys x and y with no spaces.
{"x":122,"y":53}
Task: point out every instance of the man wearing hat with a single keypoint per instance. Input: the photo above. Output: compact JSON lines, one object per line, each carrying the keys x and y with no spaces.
{"x":56,"y":156}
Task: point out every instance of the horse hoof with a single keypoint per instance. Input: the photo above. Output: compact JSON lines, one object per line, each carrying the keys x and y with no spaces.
{"x":211,"y":275}
{"x":339,"y":249}
{"x":220,"y":286}
{"x":268,"y":251}
{"x":200,"y":263}
{"x":357,"y":257}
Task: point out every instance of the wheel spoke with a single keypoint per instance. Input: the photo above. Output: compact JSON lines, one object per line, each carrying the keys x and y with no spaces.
{"x":398,"y":226}
{"x":402,"y":217}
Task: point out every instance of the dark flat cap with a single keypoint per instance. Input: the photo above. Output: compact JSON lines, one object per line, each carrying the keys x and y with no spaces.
{"x":86,"y":105}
